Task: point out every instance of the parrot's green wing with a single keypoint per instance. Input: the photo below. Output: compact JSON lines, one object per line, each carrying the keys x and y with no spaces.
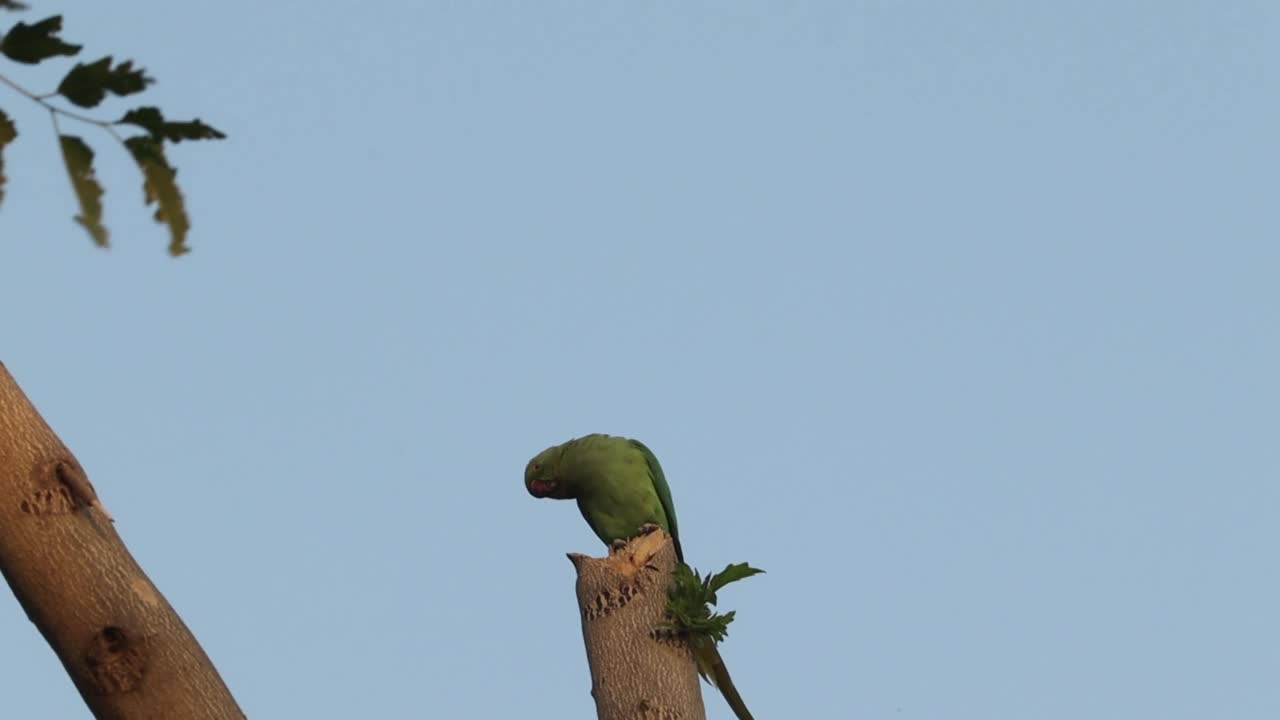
{"x":664,"y":493}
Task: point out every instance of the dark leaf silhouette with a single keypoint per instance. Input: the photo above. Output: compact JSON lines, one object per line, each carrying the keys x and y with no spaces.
{"x":32,"y":43}
{"x":86,"y":85}
{"x":152,"y":120}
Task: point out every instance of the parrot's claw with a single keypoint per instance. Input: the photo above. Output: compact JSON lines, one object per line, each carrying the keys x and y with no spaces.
{"x":649,"y":528}
{"x":617,"y":545}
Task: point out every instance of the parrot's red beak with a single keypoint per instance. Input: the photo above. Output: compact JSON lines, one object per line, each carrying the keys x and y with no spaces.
{"x":541,"y":488}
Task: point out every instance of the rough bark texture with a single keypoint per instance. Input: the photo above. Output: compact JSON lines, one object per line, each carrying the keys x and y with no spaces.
{"x":636,"y":673}
{"x":127,"y":651}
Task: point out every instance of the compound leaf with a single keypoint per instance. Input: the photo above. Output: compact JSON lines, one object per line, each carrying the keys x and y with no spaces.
{"x":691,"y":598}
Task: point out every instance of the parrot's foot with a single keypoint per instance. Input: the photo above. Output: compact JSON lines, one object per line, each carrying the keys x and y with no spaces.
{"x":645,"y":530}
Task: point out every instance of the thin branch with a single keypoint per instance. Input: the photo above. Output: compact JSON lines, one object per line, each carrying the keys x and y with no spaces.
{"x":54,"y":110}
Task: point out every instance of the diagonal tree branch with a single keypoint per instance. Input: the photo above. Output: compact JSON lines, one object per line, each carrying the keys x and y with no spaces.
{"x":127,"y":651}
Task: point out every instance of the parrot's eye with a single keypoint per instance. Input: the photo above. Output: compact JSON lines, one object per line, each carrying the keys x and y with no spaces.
{"x":537,"y":467}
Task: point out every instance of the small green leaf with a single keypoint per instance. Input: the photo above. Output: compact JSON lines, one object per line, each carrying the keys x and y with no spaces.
{"x":150,"y":119}
{"x":79,"y":160}
{"x":7,"y":134}
{"x":731,"y":573}
{"x":31,"y":44}
{"x":12,"y":5}
{"x":86,"y":85}
{"x":159,"y":187}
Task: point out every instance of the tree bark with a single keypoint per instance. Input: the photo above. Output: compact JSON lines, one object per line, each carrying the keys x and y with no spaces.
{"x":637,"y":671}
{"x":127,"y":651}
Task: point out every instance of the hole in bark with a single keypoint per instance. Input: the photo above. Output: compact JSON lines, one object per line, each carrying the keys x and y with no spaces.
{"x":115,"y":662}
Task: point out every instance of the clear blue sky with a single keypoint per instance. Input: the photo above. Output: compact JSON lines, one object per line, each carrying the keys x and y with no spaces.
{"x":960,"y":318}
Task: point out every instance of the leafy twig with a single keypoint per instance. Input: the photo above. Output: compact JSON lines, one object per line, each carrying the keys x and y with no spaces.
{"x":85,"y":86}
{"x":692,"y":596}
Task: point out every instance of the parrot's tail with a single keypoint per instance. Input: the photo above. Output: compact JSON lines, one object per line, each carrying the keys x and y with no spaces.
{"x":714,"y":666}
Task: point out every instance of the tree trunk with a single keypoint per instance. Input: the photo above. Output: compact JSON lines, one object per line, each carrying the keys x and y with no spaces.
{"x":127,"y":651}
{"x":637,"y":672}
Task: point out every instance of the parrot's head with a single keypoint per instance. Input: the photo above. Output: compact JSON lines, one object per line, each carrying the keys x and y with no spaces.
{"x":543,"y":478}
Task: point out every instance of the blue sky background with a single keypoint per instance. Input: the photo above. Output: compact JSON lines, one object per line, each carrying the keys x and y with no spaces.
{"x":960,"y":318}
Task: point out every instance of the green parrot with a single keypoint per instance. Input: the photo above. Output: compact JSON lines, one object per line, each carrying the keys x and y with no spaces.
{"x":620,"y":490}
